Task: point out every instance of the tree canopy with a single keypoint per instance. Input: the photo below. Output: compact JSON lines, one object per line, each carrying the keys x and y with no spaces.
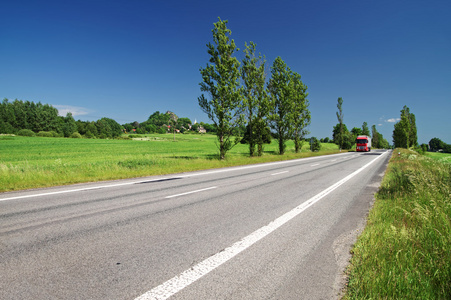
{"x":405,"y":131}
{"x":255,"y":98}
{"x":281,"y":102}
{"x":221,"y":83}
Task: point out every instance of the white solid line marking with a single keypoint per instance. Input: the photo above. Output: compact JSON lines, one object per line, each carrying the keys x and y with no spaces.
{"x":84,"y":189}
{"x":279,"y":173}
{"x":179,"y":282}
{"x":187,"y":193}
{"x":314,"y":165}
{"x":159,"y":179}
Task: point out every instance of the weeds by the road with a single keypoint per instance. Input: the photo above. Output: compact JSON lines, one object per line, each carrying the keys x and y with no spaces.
{"x":405,"y":249}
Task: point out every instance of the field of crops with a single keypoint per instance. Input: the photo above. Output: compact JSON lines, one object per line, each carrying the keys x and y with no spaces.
{"x":30,"y":162}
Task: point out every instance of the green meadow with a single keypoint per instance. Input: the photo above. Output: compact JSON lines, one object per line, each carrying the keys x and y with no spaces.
{"x":32,"y":162}
{"x":443,"y":157}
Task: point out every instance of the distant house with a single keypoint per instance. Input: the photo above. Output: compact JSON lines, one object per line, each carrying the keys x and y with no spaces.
{"x":201,"y":129}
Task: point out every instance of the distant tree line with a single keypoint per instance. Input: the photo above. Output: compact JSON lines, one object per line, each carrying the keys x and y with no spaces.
{"x":239,"y":96}
{"x":36,"y":117}
{"x":29,"y":118}
{"x":436,"y":144}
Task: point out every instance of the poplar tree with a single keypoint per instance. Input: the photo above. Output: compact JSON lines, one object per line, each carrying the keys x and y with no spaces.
{"x":255,"y":97}
{"x":405,"y":131}
{"x":221,"y":82}
{"x":300,"y":115}
{"x":280,"y":101}
{"x":340,"y":122}
{"x":375,"y":141}
{"x":365,"y":129}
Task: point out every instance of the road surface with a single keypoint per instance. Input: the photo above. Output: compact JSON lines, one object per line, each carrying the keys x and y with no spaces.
{"x":270,"y":231}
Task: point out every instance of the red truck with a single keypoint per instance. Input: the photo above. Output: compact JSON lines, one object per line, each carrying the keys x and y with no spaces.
{"x":363,"y":143}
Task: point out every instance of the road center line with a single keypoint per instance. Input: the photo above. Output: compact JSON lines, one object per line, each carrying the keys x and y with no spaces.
{"x":192,"y":192}
{"x":181,"y":281}
{"x":314,"y":165}
{"x":279,"y":173}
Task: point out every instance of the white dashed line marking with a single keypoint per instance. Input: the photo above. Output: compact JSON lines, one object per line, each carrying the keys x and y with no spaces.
{"x":279,"y":173}
{"x":192,"y":192}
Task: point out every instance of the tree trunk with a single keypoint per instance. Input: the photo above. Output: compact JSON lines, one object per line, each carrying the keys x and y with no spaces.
{"x":260,"y":149}
{"x":222,"y":150}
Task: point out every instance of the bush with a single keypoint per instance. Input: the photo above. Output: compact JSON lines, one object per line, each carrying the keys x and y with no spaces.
{"x":123,"y":137}
{"x":75,"y":135}
{"x":44,"y":134}
{"x":315,"y":145}
{"x":26,"y":132}
{"x":162,"y":130}
{"x":56,"y":134}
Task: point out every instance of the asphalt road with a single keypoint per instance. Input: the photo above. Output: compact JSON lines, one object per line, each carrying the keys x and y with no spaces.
{"x":273,"y":231}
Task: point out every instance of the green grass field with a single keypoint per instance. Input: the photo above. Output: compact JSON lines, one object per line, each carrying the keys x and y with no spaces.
{"x":31,"y":162}
{"x":443,"y":157}
{"x":405,"y":250}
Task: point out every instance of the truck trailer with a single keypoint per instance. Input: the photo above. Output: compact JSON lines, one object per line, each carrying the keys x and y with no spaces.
{"x":363,"y":143}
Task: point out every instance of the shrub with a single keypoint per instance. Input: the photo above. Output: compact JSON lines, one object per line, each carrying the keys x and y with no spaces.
{"x":56,"y":134}
{"x":45,"y":134}
{"x":26,"y":132}
{"x":123,"y":137}
{"x":75,"y":135}
{"x":315,"y":145}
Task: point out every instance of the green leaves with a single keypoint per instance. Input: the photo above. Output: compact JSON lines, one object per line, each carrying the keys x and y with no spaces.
{"x":405,"y":131}
{"x":289,"y":115}
{"x":340,"y":138}
{"x":229,"y":104}
{"x":255,"y":97}
{"x":220,"y":81}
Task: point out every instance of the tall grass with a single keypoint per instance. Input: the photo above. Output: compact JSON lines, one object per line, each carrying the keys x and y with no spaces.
{"x":31,"y":162}
{"x":405,"y":249}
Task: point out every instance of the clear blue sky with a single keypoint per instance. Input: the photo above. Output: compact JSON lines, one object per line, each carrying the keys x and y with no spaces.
{"x":127,"y":59}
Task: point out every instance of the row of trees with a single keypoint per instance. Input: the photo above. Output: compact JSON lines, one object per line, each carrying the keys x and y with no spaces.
{"x":239,"y":94}
{"x":404,"y":133}
{"x":18,"y":115}
{"x":37,"y":117}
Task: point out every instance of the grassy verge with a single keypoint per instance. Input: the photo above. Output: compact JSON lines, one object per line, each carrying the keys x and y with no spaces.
{"x":405,"y":250}
{"x":32,"y":162}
